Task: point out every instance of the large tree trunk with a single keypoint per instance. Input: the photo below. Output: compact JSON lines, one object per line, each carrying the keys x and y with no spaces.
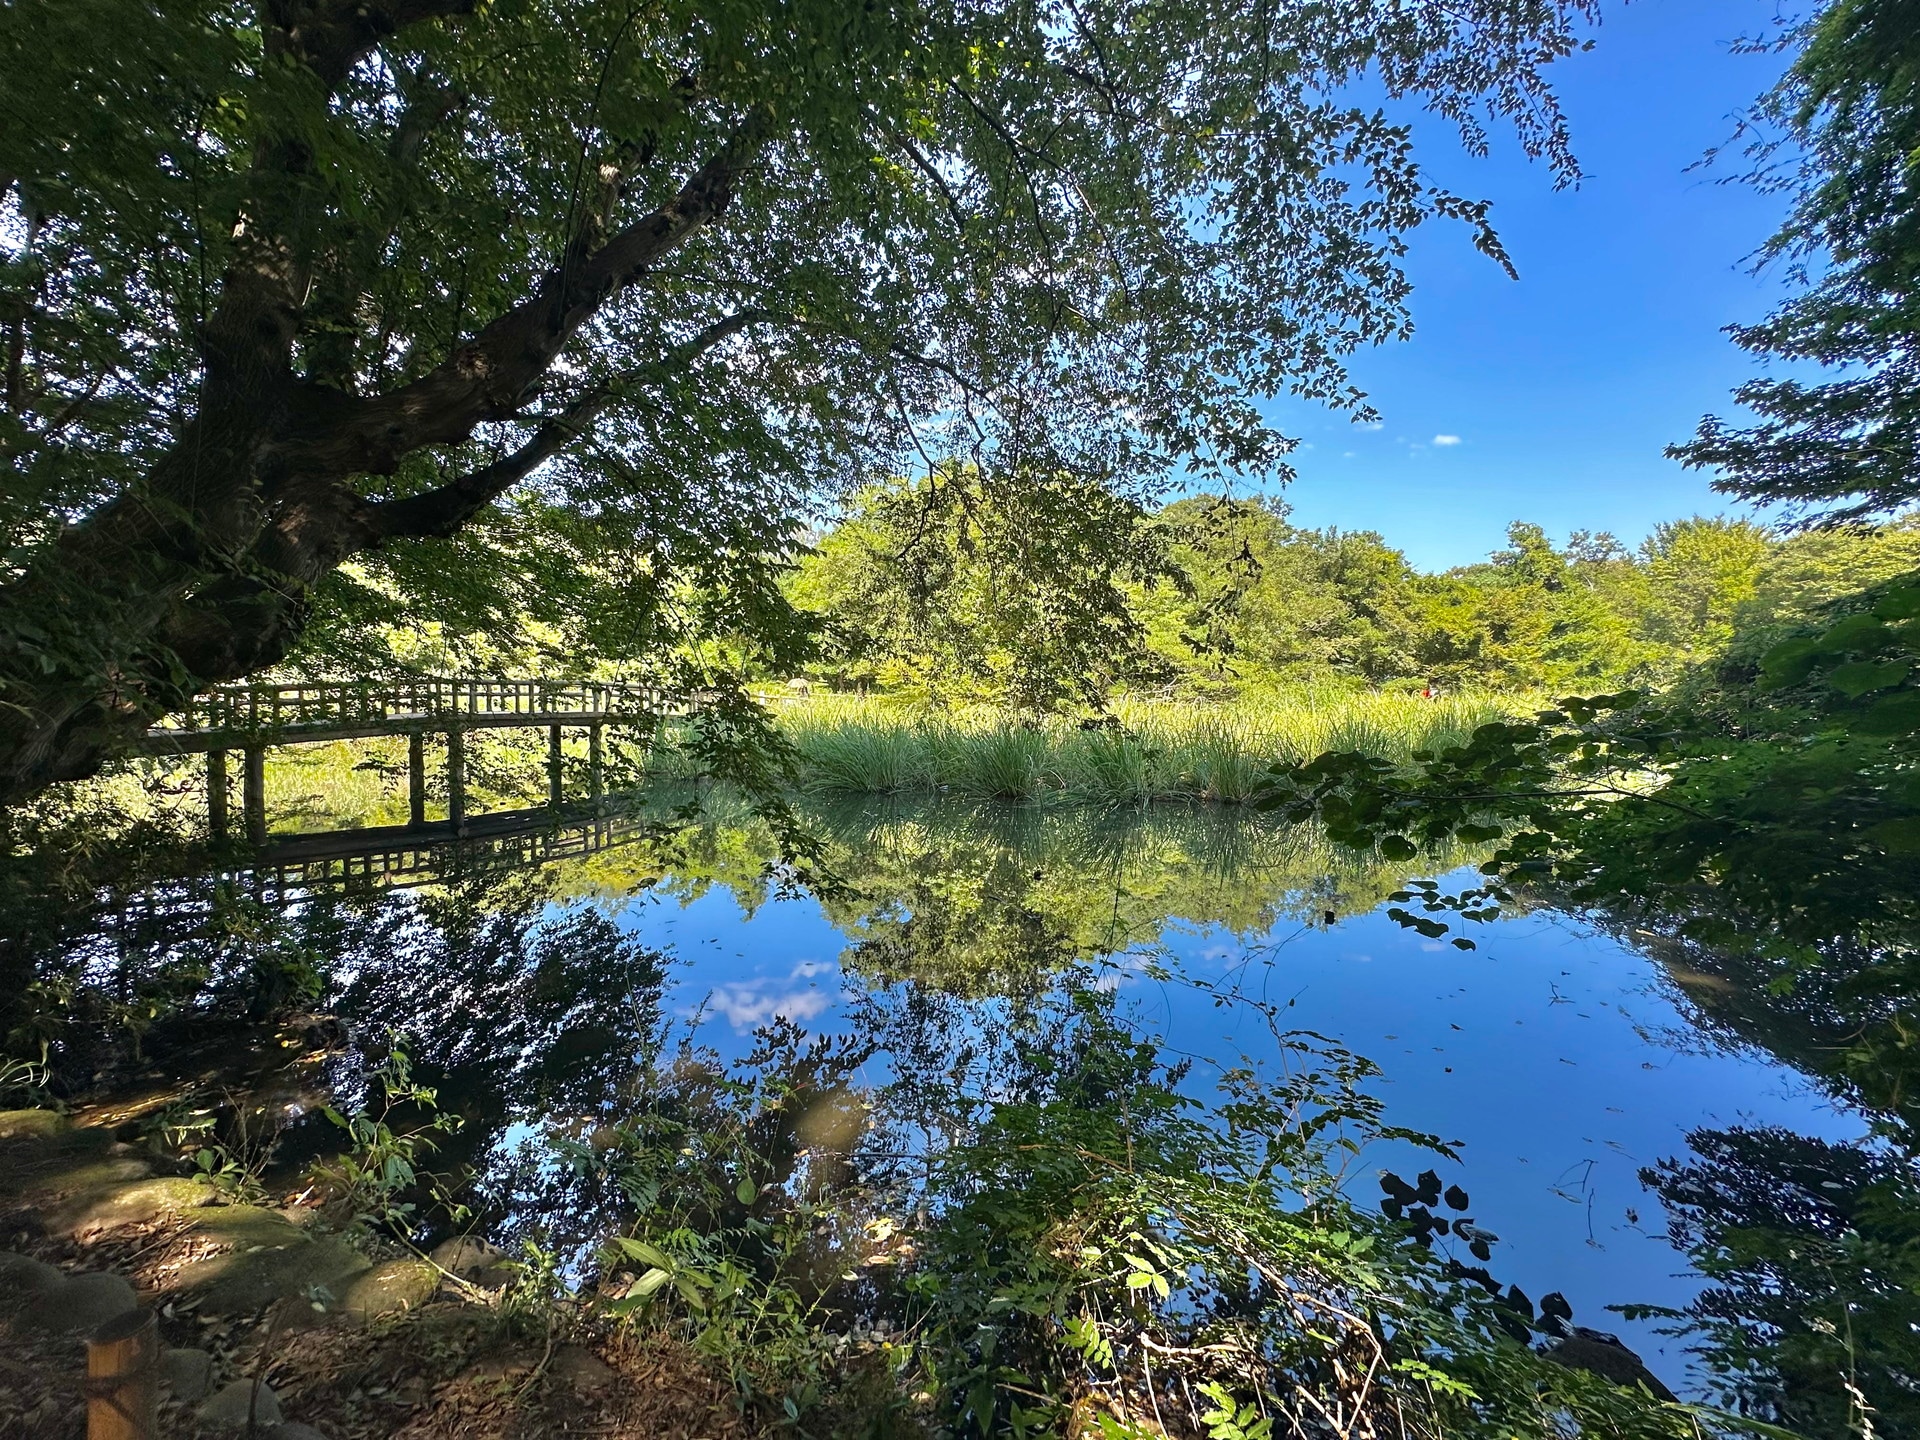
{"x":204,"y":575}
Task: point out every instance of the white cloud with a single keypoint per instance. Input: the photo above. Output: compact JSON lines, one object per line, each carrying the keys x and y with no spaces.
{"x":1446,"y":439}
{"x":747,"y":1009}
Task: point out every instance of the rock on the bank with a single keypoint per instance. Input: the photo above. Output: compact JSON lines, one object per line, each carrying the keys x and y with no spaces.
{"x":234,"y":1405}
{"x":392,"y":1287}
{"x":81,"y":1303}
{"x":188,"y":1374}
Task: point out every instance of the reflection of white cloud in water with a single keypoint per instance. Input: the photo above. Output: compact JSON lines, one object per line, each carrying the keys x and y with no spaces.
{"x":1122,"y":970}
{"x":748,"y":1004}
{"x":746,"y":1008}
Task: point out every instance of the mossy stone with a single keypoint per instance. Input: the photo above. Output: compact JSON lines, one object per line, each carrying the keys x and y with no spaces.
{"x":132,"y":1204}
{"x":24,"y":1275}
{"x":473,"y":1260}
{"x":392,"y":1287}
{"x":33,"y":1124}
{"x":243,"y":1281}
{"x":188,"y":1374}
{"x":246,"y":1227}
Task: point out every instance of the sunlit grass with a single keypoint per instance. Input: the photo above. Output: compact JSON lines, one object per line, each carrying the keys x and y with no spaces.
{"x":1145,"y":750}
{"x":1150,"y":749}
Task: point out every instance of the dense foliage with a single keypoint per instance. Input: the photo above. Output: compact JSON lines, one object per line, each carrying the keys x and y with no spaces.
{"x":570,"y":309}
{"x":1841,"y":134}
{"x":1767,"y":817}
{"x":947,"y":588}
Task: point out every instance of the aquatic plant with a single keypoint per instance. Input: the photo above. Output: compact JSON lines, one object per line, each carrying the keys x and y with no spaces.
{"x":1142,"y":750}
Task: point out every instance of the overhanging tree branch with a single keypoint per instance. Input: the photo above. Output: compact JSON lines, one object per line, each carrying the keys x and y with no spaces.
{"x":493,"y":376}
{"x":440,"y":512}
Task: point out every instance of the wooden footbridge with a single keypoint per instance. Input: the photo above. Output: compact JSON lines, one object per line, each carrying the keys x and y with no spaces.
{"x":255,"y":718}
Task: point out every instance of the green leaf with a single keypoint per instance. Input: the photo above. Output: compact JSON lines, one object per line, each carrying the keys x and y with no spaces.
{"x":648,"y":1283}
{"x":1901,"y":604}
{"x":641,"y":1250}
{"x":1892,"y":715}
{"x":1898,"y":837}
{"x":1856,"y":679}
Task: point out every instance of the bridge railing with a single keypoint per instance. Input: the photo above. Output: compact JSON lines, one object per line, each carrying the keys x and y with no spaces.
{"x":267,"y":708}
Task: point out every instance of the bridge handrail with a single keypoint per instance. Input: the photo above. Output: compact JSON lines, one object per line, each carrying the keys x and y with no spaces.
{"x":266,"y":708}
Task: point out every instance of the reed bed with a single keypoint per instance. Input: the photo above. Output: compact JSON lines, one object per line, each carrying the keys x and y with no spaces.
{"x":1153,"y":749}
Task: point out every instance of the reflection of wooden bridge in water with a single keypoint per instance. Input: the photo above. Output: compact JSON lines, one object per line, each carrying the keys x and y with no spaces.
{"x":253,"y":719}
{"x":400,"y":856}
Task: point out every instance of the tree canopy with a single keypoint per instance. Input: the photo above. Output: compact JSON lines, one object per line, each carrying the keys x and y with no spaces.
{"x":575,"y":306}
{"x":1046,"y":595}
{"x":1840,"y":134}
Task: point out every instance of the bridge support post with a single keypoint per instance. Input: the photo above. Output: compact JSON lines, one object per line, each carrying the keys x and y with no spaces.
{"x":217,"y":794}
{"x":417,"y":778}
{"x":555,"y":790}
{"x":456,"y":778}
{"x":253,"y":793}
{"x":593,"y":761}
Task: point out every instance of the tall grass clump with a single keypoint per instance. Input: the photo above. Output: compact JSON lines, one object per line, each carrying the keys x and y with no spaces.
{"x":1007,"y":760}
{"x":1144,"y":750}
{"x":864,"y":755}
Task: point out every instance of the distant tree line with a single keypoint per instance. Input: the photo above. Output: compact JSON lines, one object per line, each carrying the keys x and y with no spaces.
{"x":944,"y":586}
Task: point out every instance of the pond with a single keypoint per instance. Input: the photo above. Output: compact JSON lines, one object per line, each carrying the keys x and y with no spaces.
{"x":1560,"y":1059}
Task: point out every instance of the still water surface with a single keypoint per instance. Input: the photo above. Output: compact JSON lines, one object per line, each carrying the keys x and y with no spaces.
{"x":1558,"y":1057}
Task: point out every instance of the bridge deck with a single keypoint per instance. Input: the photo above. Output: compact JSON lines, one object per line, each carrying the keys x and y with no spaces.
{"x":178,"y":740}
{"x":253,"y":718}
{"x":235,"y":717}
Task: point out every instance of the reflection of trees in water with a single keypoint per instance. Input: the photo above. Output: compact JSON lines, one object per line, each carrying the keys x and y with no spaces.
{"x":1812,"y":1246}
{"x":518,"y":1012}
{"x":990,"y":898}
{"x":1850,"y":1018}
{"x":542,"y":1023}
{"x":1813,"y":1249}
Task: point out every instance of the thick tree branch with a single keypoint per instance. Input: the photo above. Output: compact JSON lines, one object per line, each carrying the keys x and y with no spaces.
{"x":332,"y":36}
{"x":440,"y":512}
{"x":495,"y":374}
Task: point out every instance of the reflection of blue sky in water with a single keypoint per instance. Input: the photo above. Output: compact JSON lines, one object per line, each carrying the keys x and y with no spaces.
{"x":1560,"y":1060}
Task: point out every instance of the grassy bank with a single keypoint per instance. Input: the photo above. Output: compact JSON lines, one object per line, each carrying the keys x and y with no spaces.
{"x":1155,"y":750}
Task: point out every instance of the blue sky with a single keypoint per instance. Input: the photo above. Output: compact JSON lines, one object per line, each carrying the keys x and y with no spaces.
{"x":1562,"y":388}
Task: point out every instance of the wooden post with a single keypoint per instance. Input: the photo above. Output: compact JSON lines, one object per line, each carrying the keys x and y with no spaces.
{"x":593,"y":761}
{"x":456,"y":778}
{"x":253,"y":794}
{"x":217,"y":794}
{"x":123,"y":1380}
{"x":554,"y":788}
{"x":416,"y":778}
